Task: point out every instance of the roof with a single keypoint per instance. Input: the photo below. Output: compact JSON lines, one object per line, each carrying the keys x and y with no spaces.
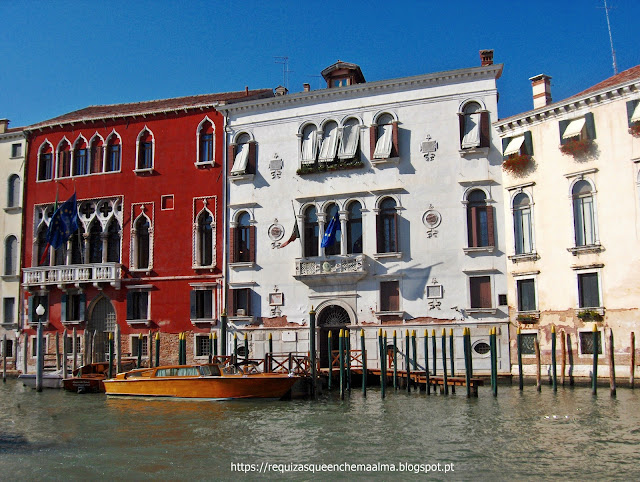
{"x":339,"y":65}
{"x":96,"y":112}
{"x":621,"y":78}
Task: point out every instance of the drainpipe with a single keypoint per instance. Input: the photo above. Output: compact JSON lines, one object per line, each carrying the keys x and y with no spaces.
{"x":225,"y":217}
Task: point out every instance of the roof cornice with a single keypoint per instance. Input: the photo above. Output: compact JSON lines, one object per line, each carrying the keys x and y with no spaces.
{"x":569,"y":105}
{"x":492,"y":71}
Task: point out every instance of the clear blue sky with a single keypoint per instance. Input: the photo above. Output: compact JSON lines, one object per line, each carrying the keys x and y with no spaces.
{"x":59,"y":56}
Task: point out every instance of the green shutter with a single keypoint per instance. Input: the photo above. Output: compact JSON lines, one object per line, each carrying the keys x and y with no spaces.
{"x":631,"y":106}
{"x":505,"y":143}
{"x":32,"y":308}
{"x":81,"y":306}
{"x":590,"y":124}
{"x":193,"y":304}
{"x":563,"y":126}
{"x":528,"y":143}
{"x":130,"y":305}
{"x":63,"y":308}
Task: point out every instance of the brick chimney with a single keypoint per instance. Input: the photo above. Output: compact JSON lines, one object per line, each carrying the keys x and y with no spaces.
{"x":486,"y":57}
{"x":541,"y":86}
{"x":281,"y":90}
{"x":306,"y":87}
{"x":4,"y":123}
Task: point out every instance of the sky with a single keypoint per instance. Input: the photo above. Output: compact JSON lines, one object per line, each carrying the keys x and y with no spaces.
{"x":60,"y":56}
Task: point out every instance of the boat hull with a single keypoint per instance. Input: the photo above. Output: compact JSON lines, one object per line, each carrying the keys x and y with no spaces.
{"x":265,"y":385}
{"x":83,"y":385}
{"x":48,"y":380}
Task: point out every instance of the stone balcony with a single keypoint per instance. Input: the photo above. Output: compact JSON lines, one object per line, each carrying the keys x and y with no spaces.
{"x":331,"y":269}
{"x":70,"y":274}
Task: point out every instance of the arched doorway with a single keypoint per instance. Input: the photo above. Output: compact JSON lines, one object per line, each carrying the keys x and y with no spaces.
{"x":102,"y":320}
{"x":332,"y":319}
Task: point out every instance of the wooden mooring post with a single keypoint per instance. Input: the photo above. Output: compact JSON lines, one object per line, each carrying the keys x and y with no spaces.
{"x":594,"y":373}
{"x":4,"y":358}
{"x":426,"y":361}
{"x":554,"y":374}
{"x":269,"y":366}
{"x":150,"y":346}
{"x":139,"y":350}
{"x":157,"y":341}
{"x":383,"y":370}
{"x":466,"y":339}
{"x":210,"y":347}
{"x":363,"y":356}
{"x":329,"y":349}
{"x":246,"y":349}
{"x":74,"y":349}
{"x":25,"y":354}
{"x":632,"y":368}
{"x":58,"y":351}
{"x":536,"y":345}
{"x":452,"y":359}
{"x":520,"y":375}
{"x":433,"y":346}
{"x":563,"y":356}
{"x":445,"y":385}
{"x":341,"y":355}
{"x":110,"y":355}
{"x":612,"y":366}
{"x":395,"y":361}
{"x":347,"y":339}
{"x":65,"y":353}
{"x":235,"y":348}
{"x":407,"y":362}
{"x":381,"y":355}
{"x":312,"y":344}
{"x":493,"y":359}
{"x":223,"y":333}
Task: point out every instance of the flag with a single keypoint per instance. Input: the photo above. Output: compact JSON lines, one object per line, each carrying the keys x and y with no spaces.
{"x":330,"y":233}
{"x":64,"y":223}
{"x":294,"y":235}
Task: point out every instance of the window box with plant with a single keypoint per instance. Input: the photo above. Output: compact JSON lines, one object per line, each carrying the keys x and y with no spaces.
{"x":518,"y":153}
{"x":528,"y":318}
{"x":633,"y":117}
{"x":577,"y":136}
{"x":339,"y":165}
{"x":589,"y":315}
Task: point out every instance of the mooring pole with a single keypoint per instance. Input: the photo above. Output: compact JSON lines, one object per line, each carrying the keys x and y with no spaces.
{"x":235,"y":348}
{"x":433,"y":345}
{"x":40,"y":355}
{"x":520,"y":375}
{"x":563,"y":356}
{"x":312,"y":344}
{"x":139,"y":350}
{"x":57,"y":351}
{"x":407,"y":361}
{"x":494,"y":362}
{"x":330,"y":350}
{"x":426,"y":361}
{"x":341,"y":355}
{"x":157,"y":348}
{"x":452,"y":358}
{"x":4,"y":358}
{"x":223,"y":333}
{"x":467,"y":364}
{"x":594,"y":381}
{"x":612,"y":365}
{"x":536,"y":346}
{"x":445,"y":385}
{"x":246,"y":347}
{"x":215,"y":343}
{"x":74,"y":349}
{"x":554,"y":373}
{"x":347,"y":344}
{"x":384,"y":364}
{"x":210,"y":347}
{"x":363,"y":356}
{"x":118,"y":342}
{"x":25,"y":354}
{"x":110,"y":355}
{"x":395,"y":361}
{"x":415,"y":350}
{"x":65,"y":353}
{"x":380,"y":353}
{"x":632,"y":369}
{"x":270,"y":367}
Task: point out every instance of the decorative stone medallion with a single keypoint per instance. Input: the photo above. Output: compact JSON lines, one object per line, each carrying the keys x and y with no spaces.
{"x":275,"y":232}
{"x":275,"y":166}
{"x":428,"y":147}
{"x":432,"y":219}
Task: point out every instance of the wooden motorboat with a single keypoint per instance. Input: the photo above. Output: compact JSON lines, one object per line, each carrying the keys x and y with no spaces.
{"x":210,"y":381}
{"x":49,"y":380}
{"x":89,"y":378}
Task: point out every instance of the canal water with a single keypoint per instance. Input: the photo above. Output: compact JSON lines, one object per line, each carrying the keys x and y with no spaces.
{"x":56,"y":435}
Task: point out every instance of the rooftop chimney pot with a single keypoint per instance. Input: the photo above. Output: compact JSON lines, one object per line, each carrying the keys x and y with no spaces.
{"x":4,"y":123}
{"x":541,"y":86}
{"x":306,"y":87}
{"x":486,"y":57}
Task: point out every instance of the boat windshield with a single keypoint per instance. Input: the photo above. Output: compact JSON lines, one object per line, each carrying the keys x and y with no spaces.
{"x":188,"y":372}
{"x":210,"y":370}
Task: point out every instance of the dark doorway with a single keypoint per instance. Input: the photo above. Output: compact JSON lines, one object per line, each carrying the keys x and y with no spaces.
{"x":331,"y":320}
{"x":101,"y":322}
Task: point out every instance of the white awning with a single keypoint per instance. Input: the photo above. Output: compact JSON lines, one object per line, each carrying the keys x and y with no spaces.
{"x":574,"y":128}
{"x":635,"y":117}
{"x":514,"y":146}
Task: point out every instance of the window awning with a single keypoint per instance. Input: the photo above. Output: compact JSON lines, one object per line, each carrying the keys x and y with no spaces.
{"x":635,"y":117}
{"x":574,"y":128}
{"x":514,"y":145}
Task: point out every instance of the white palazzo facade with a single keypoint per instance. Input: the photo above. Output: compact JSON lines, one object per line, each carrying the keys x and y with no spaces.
{"x":409,"y":171}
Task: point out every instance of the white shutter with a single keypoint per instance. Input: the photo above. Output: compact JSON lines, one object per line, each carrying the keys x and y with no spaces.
{"x":329,"y":145}
{"x":471,"y":131}
{"x":240,"y":162}
{"x":383,"y":146}
{"x":309,"y":147}
{"x":349,"y":141}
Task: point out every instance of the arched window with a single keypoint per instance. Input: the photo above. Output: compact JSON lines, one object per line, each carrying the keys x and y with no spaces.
{"x":64,"y":159}
{"x":77,"y":246}
{"x":331,"y":213}
{"x":329,"y":145}
{"x":385,"y":135}
{"x":80,"y":158}
{"x":145,"y":150}
{"x":113,"y":242}
{"x":583,"y":214}
{"x":60,"y":255}
{"x":205,"y":139}
{"x":243,"y":238}
{"x":244,"y":157}
{"x":95,"y":243}
{"x":474,"y":126}
{"x":479,"y":220}
{"x":311,"y":232}
{"x":387,"y":226}
{"x":45,"y":163}
{"x":142,"y":243}
{"x":97,"y":154}
{"x":113,"y":154}
{"x":13,"y":191}
{"x":309,"y":145}
{"x":42,"y":246}
{"x":354,"y":228}
{"x":522,"y":224}
{"x":349,"y":139}
{"x":205,"y":238}
{"x":11,"y":256}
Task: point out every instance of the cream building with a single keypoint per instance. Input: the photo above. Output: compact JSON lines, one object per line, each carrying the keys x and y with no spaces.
{"x":12,"y":155}
{"x":573,"y":221}
{"x":409,"y":171}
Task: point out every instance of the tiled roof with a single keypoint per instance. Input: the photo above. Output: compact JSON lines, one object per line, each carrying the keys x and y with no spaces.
{"x":618,"y":79}
{"x":96,"y":112}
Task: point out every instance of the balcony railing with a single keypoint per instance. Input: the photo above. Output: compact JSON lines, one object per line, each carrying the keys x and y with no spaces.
{"x":331,"y":269}
{"x":73,"y":274}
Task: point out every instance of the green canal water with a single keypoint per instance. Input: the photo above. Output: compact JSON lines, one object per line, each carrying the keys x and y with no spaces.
{"x":55,"y":435}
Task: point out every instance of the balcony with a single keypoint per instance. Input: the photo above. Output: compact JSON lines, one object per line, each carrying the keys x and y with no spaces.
{"x":331,"y":269}
{"x":72,"y":274}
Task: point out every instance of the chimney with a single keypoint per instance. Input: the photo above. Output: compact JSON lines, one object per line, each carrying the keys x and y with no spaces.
{"x":486,"y":57}
{"x":541,"y":86}
{"x":4,"y":123}
{"x":280,"y":90}
{"x":306,"y":87}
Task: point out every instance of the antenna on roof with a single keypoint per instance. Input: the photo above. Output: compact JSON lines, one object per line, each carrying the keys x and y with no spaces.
{"x":285,"y":70}
{"x":613,"y":52}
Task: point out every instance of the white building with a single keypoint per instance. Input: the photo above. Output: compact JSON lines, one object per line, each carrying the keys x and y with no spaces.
{"x":411,"y":170}
{"x":573,"y":220}
{"x":12,"y":156}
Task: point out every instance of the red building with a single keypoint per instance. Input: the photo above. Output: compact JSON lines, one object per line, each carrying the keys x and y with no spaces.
{"x":148,"y":254}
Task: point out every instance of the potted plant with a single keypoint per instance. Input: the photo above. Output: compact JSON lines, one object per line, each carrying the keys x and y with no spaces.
{"x":528,"y":318}
{"x":517,"y":163}
{"x":634,"y":130}
{"x":589,"y":315}
{"x":577,"y":147}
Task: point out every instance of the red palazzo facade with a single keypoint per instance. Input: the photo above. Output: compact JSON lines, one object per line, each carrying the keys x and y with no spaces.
{"x":148,"y":254}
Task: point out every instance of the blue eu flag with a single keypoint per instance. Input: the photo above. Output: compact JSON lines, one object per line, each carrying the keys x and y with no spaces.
{"x":330,"y":233}
{"x":64,"y":223}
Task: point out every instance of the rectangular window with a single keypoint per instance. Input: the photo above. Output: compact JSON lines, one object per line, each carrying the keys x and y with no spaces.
{"x":71,"y":304}
{"x":390,"y":296}
{"x":528,"y":343}
{"x":241,"y":301}
{"x":480,"y":290}
{"x":588,"y":290}
{"x":82,"y":162}
{"x":8,"y":351}
{"x":135,"y":344}
{"x":9,"y":306}
{"x":526,"y":294}
{"x":586,"y":343}
{"x":16,"y":150}
{"x":206,"y":148}
{"x":137,"y":305}
{"x":113,"y":158}
{"x":146,"y":155}
{"x":34,"y":301}
{"x":202,"y":345}
{"x":202,"y":304}
{"x":577,"y":129}
{"x":70,"y":345}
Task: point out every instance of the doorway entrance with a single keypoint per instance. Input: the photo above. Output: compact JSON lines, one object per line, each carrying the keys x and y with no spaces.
{"x":101,"y":322}
{"x":332,"y":319}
